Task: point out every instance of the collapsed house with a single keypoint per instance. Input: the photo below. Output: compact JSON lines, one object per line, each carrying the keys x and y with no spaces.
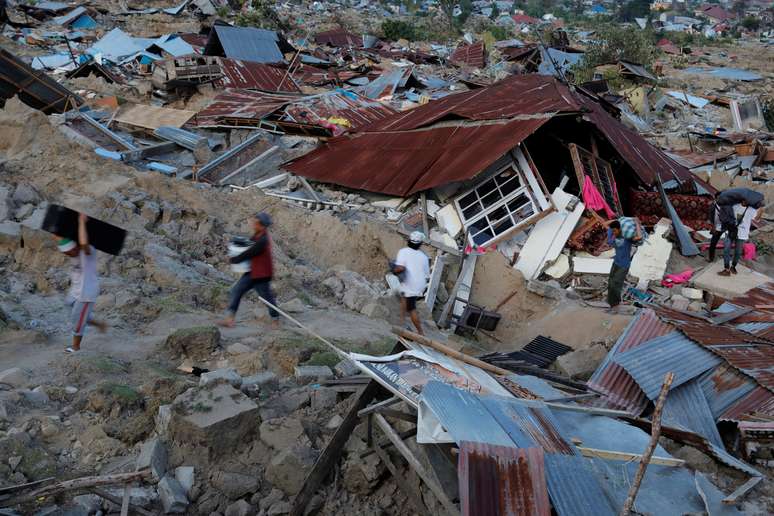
{"x":498,"y":153}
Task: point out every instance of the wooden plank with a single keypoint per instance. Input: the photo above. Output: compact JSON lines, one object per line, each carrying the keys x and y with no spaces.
{"x":423,"y":208}
{"x":377,"y":406}
{"x":332,"y":452}
{"x":386,"y":443}
{"x":446,"y":350}
{"x":628,"y":457}
{"x":444,"y":317}
{"x":397,"y":414}
{"x":411,"y":494}
{"x":580,"y":173}
{"x":435,"y":281}
{"x":742,"y":490}
{"x":416,"y":465}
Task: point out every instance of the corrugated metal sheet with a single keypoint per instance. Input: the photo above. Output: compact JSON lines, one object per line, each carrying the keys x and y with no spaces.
{"x":758,"y":401}
{"x":723,"y":387}
{"x":528,"y":423}
{"x":574,"y":487}
{"x":238,"y":107}
{"x":338,"y":38}
{"x":385,"y":85}
{"x":234,"y":158}
{"x":471,"y":55}
{"x":34,"y":88}
{"x":245,"y":43}
{"x":686,"y":407}
{"x":756,"y":360}
{"x":758,"y":297}
{"x":463,"y":416}
{"x":391,"y":157}
{"x":619,"y":388}
{"x":702,"y":331}
{"x":257,"y":76}
{"x":649,"y":363}
{"x":70,"y":17}
{"x":498,"y":480}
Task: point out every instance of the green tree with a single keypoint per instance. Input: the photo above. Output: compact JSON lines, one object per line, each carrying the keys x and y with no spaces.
{"x":634,"y":9}
{"x":448,"y":7}
{"x":614,"y":43}
{"x":739,"y":7}
{"x":751,"y":23}
{"x":398,"y":29}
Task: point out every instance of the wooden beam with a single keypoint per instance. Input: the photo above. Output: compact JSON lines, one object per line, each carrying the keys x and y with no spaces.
{"x":417,"y":466}
{"x":446,"y":350}
{"x":435,"y":281}
{"x":414,"y":498}
{"x":628,"y":457}
{"x":742,"y":490}
{"x":378,"y":406}
{"x":423,"y":206}
{"x":386,"y":443}
{"x":332,"y":452}
{"x":397,"y":414}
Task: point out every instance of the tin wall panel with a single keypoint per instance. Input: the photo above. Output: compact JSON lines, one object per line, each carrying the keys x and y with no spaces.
{"x":575,"y":488}
{"x":686,"y":407}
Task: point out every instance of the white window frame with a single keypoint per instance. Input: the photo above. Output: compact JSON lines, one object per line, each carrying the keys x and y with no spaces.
{"x":527,"y":181}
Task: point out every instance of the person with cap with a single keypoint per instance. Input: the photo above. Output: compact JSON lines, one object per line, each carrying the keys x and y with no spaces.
{"x":84,"y":284}
{"x":413,"y":268}
{"x":261,"y":271}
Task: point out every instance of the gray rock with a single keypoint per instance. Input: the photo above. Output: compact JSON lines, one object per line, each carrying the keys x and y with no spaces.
{"x":14,"y":377}
{"x":279,"y":508}
{"x":173,"y":497}
{"x":36,"y":397}
{"x":163,"y":417}
{"x":294,"y":306}
{"x":581,"y":364}
{"x":550,"y":289}
{"x":324,"y":398}
{"x":288,"y":469}
{"x":197,"y":343}
{"x":346,"y":368}
{"x":239,"y":508}
{"x":265,"y":381}
{"x":334,"y":422}
{"x":282,"y":432}
{"x":238,"y":348}
{"x":273,"y":497}
{"x":5,"y":203}
{"x":26,"y":194}
{"x":294,"y":399}
{"x":309,"y":374}
{"x":235,"y":485}
{"x":185,"y":476}
{"x":228,"y":375}
{"x":375,"y":310}
{"x":140,"y":496}
{"x":153,"y":455}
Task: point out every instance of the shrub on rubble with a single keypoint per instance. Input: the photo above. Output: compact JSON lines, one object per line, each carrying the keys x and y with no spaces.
{"x":614,"y":43}
{"x":398,"y":29}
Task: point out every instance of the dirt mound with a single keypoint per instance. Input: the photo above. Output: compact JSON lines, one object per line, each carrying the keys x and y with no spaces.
{"x":23,"y":130}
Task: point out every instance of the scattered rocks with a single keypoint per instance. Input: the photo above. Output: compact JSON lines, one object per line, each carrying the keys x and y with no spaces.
{"x":172,"y":494}
{"x":153,"y":455}
{"x":581,"y":364}
{"x":260,"y":382}
{"x":346,"y":368}
{"x":238,"y":348}
{"x":239,"y":508}
{"x":334,"y":422}
{"x":279,"y":508}
{"x":309,"y":374}
{"x":273,"y":497}
{"x":282,"y":433}
{"x":288,"y":469}
{"x":324,"y":398}
{"x":235,"y":485}
{"x":294,"y":306}
{"x":228,"y":375}
{"x":14,"y":377}
{"x":196,"y":343}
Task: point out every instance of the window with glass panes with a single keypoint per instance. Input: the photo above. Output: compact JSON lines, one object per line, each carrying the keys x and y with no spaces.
{"x":495,"y":206}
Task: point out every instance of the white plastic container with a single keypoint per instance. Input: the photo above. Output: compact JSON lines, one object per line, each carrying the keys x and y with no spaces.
{"x":235,"y":249}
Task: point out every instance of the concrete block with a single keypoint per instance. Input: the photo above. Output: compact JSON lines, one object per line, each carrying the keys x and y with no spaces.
{"x":228,"y":375}
{"x":186,"y":477}
{"x":196,"y":343}
{"x":153,"y":455}
{"x":324,"y":398}
{"x":264,"y":381}
{"x":692,"y":293}
{"x":581,"y":364}
{"x":162,"y":419}
{"x":235,"y":485}
{"x":288,"y":469}
{"x":173,"y":497}
{"x":309,"y":374}
{"x":14,"y":377}
{"x":346,"y":368}
{"x":283,"y":432}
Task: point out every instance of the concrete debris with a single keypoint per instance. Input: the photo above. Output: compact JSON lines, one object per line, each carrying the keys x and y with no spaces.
{"x":196,"y":343}
{"x":153,"y":456}
{"x":185,"y":476}
{"x":173,"y":497}
{"x":582,"y":363}
{"x":308,"y":374}
{"x":239,"y":508}
{"x":289,"y":467}
{"x":282,"y":433}
{"x":229,"y":376}
{"x":235,"y":485}
{"x":13,"y":377}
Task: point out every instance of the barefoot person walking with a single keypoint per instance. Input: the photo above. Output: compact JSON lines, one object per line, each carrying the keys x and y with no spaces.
{"x":84,"y":283}
{"x":260,"y":274}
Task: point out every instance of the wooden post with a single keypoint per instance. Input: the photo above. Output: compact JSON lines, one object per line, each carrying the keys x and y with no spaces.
{"x":425,"y":223}
{"x":446,"y":350}
{"x":655,"y":432}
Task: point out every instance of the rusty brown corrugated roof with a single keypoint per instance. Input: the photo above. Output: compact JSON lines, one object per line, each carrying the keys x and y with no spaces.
{"x":502,"y":480}
{"x":338,"y":38}
{"x":759,"y":401}
{"x":257,"y":76}
{"x":470,"y":55}
{"x":240,"y":107}
{"x":394,"y":156}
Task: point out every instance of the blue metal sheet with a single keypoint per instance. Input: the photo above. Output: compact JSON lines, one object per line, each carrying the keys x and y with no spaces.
{"x":574,"y":487}
{"x":176,"y":47}
{"x":115,"y":45}
{"x":726,"y":458}
{"x":713,"y":498}
{"x":687,"y":408}
{"x":249,"y":44}
{"x":649,"y":363}
{"x":734,"y":74}
{"x":84,"y":22}
{"x":724,"y":386}
{"x":463,"y":416}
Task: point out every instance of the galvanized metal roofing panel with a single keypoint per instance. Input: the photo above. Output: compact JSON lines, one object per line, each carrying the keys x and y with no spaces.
{"x":66,"y":19}
{"x":473,"y":55}
{"x":463,"y":416}
{"x":248,"y":44}
{"x":619,"y":388}
{"x":116,"y":45}
{"x":338,"y":38}
{"x":758,"y":401}
{"x":175,"y":47}
{"x":235,"y":107}
{"x":686,"y":407}
{"x":574,"y":487}
{"x":254,"y":76}
{"x":497,"y":480}
{"x":528,"y":423}
{"x":648,"y":364}
{"x":756,"y":360}
{"x":723,"y":387}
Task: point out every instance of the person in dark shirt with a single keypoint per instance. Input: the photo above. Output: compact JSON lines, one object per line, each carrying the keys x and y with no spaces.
{"x":621,"y":262}
{"x":260,"y":274}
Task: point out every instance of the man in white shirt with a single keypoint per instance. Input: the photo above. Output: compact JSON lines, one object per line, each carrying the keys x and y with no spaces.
{"x":413,"y":268}
{"x":744,"y":217}
{"x":84,"y":283}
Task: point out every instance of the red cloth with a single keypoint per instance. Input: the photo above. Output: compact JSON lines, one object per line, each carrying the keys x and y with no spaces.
{"x":671,"y":280}
{"x":261,"y":266}
{"x":593,"y":199}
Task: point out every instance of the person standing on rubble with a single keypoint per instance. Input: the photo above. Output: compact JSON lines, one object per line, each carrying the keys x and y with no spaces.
{"x":84,"y":284}
{"x":260,"y":274}
{"x":412,"y":266}
{"x":717,"y":228}
{"x":622,"y":239}
{"x":744,"y":215}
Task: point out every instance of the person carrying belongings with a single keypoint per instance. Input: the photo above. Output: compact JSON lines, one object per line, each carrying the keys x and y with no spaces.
{"x":260,"y":274}
{"x":84,"y":283}
{"x":744,"y":215}
{"x":732,"y":205}
{"x":622,"y":235}
{"x":412,"y":267}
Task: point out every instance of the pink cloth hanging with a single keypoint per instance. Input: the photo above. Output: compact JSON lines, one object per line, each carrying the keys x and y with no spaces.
{"x":670,"y":280}
{"x":593,"y":199}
